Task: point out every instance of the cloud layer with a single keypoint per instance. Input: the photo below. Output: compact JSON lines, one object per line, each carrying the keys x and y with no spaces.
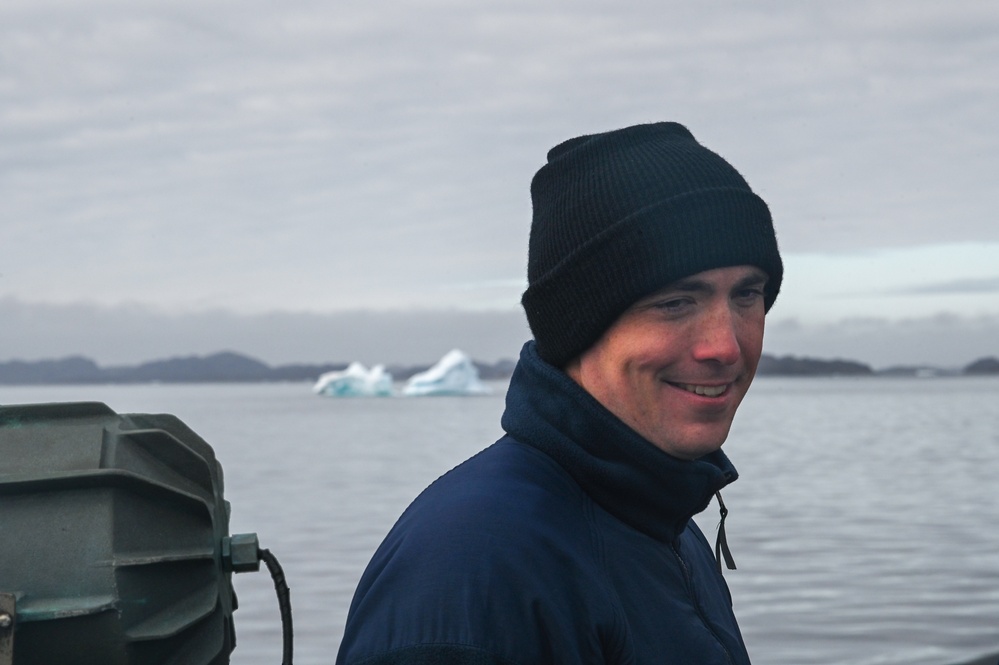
{"x":344,"y":155}
{"x":132,"y":334}
{"x":135,"y":334}
{"x":320,"y":157}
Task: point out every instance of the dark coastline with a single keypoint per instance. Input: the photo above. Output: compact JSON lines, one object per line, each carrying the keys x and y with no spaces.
{"x":230,"y":367}
{"x":990,"y":659}
{"x":223,"y":367}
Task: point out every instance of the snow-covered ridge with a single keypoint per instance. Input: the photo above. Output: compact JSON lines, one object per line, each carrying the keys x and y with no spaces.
{"x":355,"y":381}
{"x":454,"y":374}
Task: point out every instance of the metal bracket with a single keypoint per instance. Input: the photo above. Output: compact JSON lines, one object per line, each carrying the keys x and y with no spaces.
{"x":8,"y":617}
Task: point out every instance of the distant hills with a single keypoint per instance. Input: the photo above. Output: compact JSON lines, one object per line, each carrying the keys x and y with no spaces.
{"x":224,"y":367}
{"x":234,"y":367}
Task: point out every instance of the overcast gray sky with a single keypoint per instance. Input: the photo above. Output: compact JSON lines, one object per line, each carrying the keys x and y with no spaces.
{"x":344,"y":180}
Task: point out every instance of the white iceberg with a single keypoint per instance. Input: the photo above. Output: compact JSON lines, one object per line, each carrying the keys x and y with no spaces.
{"x":454,"y":374}
{"x":355,"y":381}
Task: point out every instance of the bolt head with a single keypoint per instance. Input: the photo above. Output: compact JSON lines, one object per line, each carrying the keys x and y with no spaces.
{"x":241,"y":552}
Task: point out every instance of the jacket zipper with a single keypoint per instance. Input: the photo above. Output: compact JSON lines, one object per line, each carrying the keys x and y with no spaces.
{"x":688,"y":578}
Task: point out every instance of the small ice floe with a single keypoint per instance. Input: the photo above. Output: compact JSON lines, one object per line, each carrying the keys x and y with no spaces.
{"x":355,"y":381}
{"x":454,"y":374}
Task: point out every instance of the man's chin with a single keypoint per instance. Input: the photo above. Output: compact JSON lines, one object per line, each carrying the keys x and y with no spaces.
{"x":689,"y":451}
{"x":695,"y":446}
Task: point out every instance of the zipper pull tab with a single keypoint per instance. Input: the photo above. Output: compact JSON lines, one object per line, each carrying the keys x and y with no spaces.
{"x":721,"y":544}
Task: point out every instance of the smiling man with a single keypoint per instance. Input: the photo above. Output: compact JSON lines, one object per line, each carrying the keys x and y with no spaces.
{"x":675,"y":366}
{"x":651,"y":267}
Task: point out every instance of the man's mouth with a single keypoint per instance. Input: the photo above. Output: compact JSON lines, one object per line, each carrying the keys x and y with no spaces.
{"x":704,"y":391}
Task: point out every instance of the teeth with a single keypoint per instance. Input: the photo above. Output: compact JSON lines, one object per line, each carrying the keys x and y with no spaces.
{"x":706,"y":391}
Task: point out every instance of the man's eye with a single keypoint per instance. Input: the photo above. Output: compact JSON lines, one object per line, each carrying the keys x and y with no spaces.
{"x":750,"y":294}
{"x":673,"y":304}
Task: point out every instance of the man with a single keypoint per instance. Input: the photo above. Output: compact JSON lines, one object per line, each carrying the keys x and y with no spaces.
{"x":651,"y":266}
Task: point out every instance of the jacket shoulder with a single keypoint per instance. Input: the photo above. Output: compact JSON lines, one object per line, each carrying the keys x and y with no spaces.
{"x":487,"y":562}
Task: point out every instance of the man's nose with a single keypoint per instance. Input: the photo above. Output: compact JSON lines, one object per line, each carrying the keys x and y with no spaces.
{"x":718,"y":338}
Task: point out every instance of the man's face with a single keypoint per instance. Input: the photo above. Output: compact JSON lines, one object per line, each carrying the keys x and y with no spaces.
{"x":675,"y":366}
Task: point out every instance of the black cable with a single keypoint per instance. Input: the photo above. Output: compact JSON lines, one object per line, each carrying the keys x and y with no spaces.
{"x":284,"y":601}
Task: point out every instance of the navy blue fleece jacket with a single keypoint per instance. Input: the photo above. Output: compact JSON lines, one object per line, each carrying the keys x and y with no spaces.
{"x":569,"y":540}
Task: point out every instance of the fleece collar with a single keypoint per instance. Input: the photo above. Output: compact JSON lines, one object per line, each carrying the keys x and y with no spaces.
{"x":624,"y":473}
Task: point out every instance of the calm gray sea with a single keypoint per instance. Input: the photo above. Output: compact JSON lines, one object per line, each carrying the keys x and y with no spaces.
{"x":865,"y":524}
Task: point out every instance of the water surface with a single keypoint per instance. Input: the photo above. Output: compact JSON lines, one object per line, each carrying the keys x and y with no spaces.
{"x":864,"y":523}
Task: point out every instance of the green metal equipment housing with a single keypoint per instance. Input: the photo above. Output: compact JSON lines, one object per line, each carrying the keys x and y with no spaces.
{"x":114,"y":539}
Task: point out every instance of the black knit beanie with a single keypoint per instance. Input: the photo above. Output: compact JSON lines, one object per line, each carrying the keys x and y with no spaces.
{"x":619,"y":215}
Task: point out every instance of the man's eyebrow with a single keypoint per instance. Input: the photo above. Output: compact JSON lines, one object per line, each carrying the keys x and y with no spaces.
{"x":689,"y":285}
{"x":695,"y":285}
{"x":754,"y":279}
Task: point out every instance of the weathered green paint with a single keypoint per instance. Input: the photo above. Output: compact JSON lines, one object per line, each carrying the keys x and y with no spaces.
{"x":111,"y":536}
{"x":8,"y":617}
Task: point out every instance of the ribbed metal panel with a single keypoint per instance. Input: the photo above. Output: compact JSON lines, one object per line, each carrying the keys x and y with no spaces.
{"x":110,"y":537}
